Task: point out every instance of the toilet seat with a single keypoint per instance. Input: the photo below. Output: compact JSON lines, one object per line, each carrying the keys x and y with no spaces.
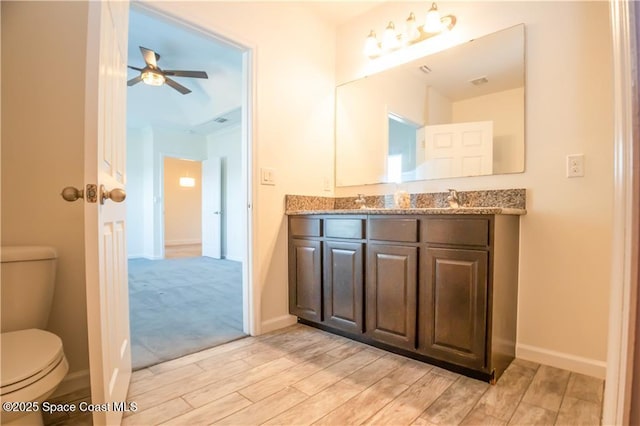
{"x":28,"y":356}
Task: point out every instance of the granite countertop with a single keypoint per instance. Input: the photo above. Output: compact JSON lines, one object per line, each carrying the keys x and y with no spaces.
{"x":500,"y":201}
{"x":428,"y":210}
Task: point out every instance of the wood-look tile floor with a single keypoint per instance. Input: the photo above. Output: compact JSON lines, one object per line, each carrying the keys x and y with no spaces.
{"x":300,"y":376}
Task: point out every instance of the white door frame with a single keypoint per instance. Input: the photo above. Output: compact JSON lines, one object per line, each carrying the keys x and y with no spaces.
{"x":624,"y":290}
{"x":251,"y":294}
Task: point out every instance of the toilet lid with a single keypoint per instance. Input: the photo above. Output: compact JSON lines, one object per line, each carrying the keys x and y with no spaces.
{"x":25,"y":353}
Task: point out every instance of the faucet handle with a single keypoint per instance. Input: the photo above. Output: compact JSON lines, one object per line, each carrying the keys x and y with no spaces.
{"x":453,"y":200}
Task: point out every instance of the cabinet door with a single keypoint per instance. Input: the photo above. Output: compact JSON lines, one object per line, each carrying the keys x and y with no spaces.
{"x":453,"y":306}
{"x":392,"y":277}
{"x":343,"y":285}
{"x":305,"y":279}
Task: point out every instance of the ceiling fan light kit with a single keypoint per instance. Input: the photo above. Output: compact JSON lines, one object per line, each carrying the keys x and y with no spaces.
{"x":153,"y":75}
{"x":152,"y":78}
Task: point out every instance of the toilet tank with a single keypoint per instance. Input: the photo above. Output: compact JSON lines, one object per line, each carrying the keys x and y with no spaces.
{"x":27,"y":280}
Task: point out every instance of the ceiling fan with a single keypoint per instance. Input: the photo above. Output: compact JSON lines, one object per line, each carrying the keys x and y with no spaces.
{"x":153,"y":75}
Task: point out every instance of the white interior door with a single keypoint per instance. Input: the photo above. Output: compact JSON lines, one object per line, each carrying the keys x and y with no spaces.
{"x":459,"y":149}
{"x":212,"y":207}
{"x":105,"y":227}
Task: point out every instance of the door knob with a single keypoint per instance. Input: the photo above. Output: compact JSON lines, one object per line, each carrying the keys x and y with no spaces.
{"x":71,"y":193}
{"x":116,"y":194}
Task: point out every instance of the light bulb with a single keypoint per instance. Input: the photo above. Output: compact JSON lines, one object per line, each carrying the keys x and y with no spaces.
{"x":371,"y":46}
{"x":432,"y":22}
{"x":412,"y":28}
{"x":390,"y":38}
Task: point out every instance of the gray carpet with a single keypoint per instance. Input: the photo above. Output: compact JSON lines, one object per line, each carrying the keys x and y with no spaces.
{"x":181,"y":306}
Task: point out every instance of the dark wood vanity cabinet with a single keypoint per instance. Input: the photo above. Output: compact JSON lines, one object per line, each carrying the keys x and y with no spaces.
{"x":326,"y":270}
{"x":343,"y":272}
{"x":391,"y":302}
{"x":439,"y":288}
{"x":453,"y":314}
{"x":305,"y":269}
{"x":453,"y":299}
{"x":392,"y":280}
{"x":344,"y":285}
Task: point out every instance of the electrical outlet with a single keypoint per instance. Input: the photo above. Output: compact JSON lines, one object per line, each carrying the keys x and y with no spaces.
{"x":575,"y":165}
{"x":267,"y":176}
{"x":327,"y":184}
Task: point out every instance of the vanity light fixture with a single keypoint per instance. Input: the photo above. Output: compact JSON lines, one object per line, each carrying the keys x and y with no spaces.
{"x":392,"y":40}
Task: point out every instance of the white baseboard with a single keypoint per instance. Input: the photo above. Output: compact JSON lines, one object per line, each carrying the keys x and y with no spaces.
{"x":235,"y":259}
{"x":578,"y":364}
{"x":73,"y":382}
{"x":182,"y":242}
{"x":277,"y":323}
{"x":142,"y":256}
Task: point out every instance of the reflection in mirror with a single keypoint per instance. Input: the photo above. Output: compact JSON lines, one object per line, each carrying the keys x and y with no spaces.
{"x":459,"y":112}
{"x":401,"y":157}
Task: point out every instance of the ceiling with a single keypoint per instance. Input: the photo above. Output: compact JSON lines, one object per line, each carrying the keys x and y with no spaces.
{"x":181,"y":48}
{"x":339,"y":12}
{"x":497,"y":57}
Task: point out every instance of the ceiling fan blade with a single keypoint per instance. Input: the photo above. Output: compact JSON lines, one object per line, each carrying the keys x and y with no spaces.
{"x":134,"y":68}
{"x":179,"y":73}
{"x":134,"y":80}
{"x":149,"y":56}
{"x":179,"y":87}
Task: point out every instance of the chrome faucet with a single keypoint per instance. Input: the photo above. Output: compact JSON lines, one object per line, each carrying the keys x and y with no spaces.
{"x":453,"y":200}
{"x":361,"y":201}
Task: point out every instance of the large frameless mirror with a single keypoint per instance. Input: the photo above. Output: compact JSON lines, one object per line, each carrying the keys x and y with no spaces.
{"x":459,"y":112}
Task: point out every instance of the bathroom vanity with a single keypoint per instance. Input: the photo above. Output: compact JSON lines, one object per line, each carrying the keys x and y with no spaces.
{"x":435,"y":284}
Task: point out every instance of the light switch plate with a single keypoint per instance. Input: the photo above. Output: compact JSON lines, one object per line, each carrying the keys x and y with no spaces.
{"x":575,"y":165}
{"x":267,"y":176}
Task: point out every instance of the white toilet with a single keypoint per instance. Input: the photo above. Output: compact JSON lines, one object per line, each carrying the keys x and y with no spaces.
{"x":33,"y":361}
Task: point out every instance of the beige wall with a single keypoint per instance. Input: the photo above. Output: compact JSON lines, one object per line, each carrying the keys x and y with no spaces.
{"x":565,"y":246}
{"x":182,"y":205}
{"x":43,"y":64}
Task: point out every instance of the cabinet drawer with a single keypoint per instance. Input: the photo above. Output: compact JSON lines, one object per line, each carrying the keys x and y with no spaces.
{"x":344,"y":228}
{"x":463,"y":231}
{"x":394,"y":229}
{"x":304,"y":227}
